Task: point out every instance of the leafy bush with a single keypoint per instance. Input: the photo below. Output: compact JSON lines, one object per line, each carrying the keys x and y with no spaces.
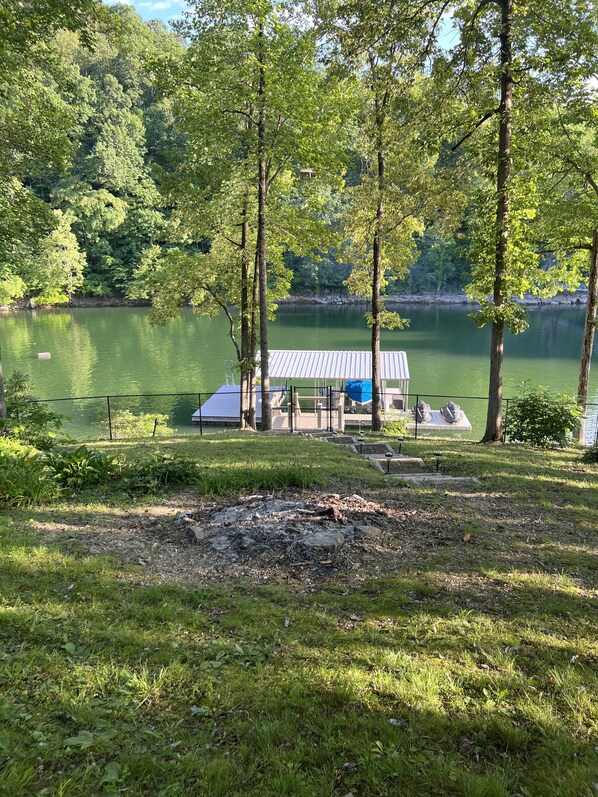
{"x":25,"y":478}
{"x":160,"y":470}
{"x":82,"y":467}
{"x":591,"y":455}
{"x":127,"y":424}
{"x":27,"y":418}
{"x":397,"y":427}
{"x":542,"y":418}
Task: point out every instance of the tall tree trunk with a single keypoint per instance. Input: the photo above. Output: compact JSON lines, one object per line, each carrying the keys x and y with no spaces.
{"x":494,"y":426}
{"x":376,"y":279}
{"x":380,"y":100}
{"x":261,"y":236}
{"x":2,"y":396}
{"x":245,"y":311}
{"x":253,"y":344}
{"x":588,"y":333}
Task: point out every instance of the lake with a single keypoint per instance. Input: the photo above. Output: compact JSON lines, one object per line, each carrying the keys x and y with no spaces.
{"x":98,"y":351}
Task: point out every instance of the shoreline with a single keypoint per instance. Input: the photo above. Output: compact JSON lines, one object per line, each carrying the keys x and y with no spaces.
{"x":323,"y":300}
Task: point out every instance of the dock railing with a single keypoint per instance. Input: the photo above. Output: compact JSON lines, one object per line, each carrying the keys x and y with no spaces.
{"x":134,"y":416}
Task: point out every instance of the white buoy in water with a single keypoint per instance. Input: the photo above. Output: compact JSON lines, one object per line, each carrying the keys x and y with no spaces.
{"x":44,"y":355}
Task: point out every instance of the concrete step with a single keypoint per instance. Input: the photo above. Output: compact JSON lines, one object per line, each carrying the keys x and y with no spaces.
{"x":398,"y":464}
{"x":435,"y":478}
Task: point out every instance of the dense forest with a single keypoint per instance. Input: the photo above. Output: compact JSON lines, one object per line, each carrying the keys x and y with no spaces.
{"x":108,"y":201}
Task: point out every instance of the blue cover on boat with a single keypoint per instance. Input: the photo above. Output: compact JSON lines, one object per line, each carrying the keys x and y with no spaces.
{"x":359,"y":390}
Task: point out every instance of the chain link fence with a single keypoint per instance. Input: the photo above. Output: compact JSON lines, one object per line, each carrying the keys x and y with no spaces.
{"x":294,"y":409}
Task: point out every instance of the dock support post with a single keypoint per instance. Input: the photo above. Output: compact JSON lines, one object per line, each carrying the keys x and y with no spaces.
{"x":296,"y":410}
{"x":341,"y":412}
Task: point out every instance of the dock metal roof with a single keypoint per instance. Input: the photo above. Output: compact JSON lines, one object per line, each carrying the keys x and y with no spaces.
{"x":309,"y":364}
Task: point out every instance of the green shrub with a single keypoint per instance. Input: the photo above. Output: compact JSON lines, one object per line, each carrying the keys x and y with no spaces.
{"x":161,"y":469}
{"x":397,"y":427}
{"x":126,"y":424}
{"x":591,"y":455}
{"x":25,"y":479}
{"x":27,"y":418}
{"x":542,"y":418}
{"x":82,"y":467}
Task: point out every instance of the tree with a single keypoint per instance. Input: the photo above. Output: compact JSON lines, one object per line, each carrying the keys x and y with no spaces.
{"x":567,"y":223}
{"x":56,"y":270}
{"x":255,"y":108}
{"x":34,"y":122}
{"x":387,"y":46}
{"x":111,"y":188}
{"x":543,"y":48}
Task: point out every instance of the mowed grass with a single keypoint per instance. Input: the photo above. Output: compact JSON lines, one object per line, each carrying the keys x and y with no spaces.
{"x":473,"y":672}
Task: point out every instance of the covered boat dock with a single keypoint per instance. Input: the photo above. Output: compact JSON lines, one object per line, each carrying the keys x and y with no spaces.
{"x":323,"y":369}
{"x":308,"y":389}
{"x":316,"y":376}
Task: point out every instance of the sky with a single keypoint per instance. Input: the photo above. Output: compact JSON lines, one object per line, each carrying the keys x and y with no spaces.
{"x":167,"y":10}
{"x":155,"y":9}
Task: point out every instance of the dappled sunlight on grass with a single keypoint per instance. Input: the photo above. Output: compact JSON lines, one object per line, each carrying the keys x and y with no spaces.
{"x":470,"y":671}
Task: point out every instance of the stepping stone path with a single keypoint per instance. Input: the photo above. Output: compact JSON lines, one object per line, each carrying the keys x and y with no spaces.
{"x":406,"y":468}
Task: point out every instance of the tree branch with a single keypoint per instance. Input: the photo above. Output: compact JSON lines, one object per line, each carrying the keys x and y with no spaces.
{"x":278,"y":169}
{"x":478,"y":124}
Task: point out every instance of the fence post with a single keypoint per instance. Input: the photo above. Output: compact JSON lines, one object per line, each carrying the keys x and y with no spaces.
{"x":416,"y":403}
{"x":200,"y":418}
{"x":290,"y":409}
{"x":330,"y":427}
{"x":109,"y":418}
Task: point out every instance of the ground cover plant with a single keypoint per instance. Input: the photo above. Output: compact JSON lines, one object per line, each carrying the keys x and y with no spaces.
{"x":470,"y":669}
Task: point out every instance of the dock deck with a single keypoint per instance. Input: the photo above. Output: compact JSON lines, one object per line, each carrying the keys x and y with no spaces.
{"x":307,"y":421}
{"x":223,"y":408}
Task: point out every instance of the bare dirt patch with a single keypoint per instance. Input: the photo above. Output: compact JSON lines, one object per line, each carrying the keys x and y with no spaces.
{"x":303,"y":537}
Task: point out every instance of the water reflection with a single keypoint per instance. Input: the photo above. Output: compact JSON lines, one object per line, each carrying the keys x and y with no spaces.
{"x":114,"y":350}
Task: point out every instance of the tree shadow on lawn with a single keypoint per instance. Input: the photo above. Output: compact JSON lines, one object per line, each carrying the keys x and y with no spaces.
{"x":212,"y":691}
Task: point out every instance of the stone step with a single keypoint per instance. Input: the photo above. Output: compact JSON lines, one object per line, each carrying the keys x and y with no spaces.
{"x":369,"y":449}
{"x":435,"y":478}
{"x":398,"y":464}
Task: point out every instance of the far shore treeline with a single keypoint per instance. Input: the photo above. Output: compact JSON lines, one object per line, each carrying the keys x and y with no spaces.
{"x":256,"y":148}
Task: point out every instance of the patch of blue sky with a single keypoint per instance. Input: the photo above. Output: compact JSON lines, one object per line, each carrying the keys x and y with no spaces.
{"x":165,"y":10}
{"x":168,"y":10}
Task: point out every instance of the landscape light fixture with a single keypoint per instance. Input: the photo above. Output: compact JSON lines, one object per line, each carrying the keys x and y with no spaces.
{"x":388,"y":456}
{"x":360,"y":439}
{"x":438,"y":455}
{"x":400,"y":440}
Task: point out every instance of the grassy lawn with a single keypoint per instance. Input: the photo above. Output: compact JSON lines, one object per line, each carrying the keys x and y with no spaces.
{"x":472,"y":670}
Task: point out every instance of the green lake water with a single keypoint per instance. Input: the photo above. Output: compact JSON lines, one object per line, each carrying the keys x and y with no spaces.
{"x":100,"y":351}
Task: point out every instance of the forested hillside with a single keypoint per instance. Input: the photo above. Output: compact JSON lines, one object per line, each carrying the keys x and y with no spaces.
{"x":104,"y":197}
{"x":99,"y":207}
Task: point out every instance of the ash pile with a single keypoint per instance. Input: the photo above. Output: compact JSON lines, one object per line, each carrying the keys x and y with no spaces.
{"x":260,"y":530}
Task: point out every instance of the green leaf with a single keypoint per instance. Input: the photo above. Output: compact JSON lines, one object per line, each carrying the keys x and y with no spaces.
{"x":83,"y":740}
{"x":111,"y":773}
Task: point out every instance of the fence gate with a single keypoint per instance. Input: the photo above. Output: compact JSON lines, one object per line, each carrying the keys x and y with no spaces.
{"x":310,"y":409}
